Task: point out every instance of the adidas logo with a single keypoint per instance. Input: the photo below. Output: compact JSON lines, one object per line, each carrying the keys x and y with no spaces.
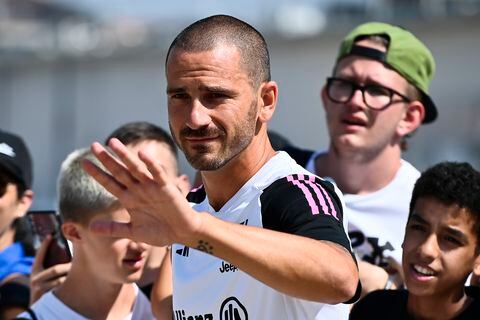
{"x":183,"y":252}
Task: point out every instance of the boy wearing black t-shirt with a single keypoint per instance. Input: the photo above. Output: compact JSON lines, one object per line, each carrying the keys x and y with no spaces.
{"x":440,"y":249}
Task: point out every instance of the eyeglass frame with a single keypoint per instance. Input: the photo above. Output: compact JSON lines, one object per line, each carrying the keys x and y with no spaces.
{"x":356,"y":86}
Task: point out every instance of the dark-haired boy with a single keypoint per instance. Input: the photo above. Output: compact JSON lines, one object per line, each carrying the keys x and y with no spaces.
{"x":440,"y":250}
{"x":16,"y":250}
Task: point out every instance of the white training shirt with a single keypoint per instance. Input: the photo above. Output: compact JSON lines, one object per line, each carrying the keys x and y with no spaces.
{"x":281,"y":196}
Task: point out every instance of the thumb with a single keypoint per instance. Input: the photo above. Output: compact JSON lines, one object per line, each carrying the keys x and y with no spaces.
{"x":111,"y":228}
{"x":40,"y":255}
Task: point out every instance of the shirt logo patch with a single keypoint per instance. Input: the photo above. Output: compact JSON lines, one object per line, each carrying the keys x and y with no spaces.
{"x":233,"y":309}
{"x":183,"y":252}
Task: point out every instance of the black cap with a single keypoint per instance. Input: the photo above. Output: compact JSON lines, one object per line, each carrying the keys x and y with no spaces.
{"x":15,"y":157}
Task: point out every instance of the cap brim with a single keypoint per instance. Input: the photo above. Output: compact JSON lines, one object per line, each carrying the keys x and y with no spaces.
{"x":431,"y":112}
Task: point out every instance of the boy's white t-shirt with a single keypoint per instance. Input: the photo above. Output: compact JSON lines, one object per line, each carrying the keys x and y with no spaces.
{"x":49,"y":307}
{"x":376,"y":221}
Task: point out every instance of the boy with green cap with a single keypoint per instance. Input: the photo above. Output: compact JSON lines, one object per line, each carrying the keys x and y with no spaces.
{"x":440,"y":250}
{"x":376,"y":97}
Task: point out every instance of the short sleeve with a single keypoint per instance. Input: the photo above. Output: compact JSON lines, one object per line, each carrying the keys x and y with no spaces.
{"x":304,"y":205}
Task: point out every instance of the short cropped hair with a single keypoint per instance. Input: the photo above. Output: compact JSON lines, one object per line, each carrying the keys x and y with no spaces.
{"x":451,"y":183}
{"x":208,"y":33}
{"x":80,"y":197}
{"x":136,"y":132}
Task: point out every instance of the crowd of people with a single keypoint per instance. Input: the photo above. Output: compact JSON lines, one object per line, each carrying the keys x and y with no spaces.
{"x":269,"y":230}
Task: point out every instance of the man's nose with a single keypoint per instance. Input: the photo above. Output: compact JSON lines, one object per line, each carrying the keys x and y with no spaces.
{"x":357,"y":99}
{"x":198,"y":116}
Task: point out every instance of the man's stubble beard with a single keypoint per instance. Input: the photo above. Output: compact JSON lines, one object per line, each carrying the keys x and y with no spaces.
{"x":201,"y":157}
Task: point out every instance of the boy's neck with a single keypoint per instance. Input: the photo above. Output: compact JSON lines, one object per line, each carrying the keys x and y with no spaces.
{"x":437,"y":307}
{"x":357,"y":173}
{"x":96,"y":299}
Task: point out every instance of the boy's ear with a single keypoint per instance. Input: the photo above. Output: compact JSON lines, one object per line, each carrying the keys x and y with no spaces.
{"x":476,"y":268}
{"x":412,"y":119}
{"x":71,"y":231}
{"x":24,"y":203}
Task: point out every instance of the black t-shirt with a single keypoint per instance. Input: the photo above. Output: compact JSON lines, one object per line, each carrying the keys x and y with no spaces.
{"x":392,"y":305}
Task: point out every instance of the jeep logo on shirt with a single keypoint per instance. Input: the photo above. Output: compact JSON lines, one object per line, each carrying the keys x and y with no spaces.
{"x":232,"y":309}
{"x":226,"y":267}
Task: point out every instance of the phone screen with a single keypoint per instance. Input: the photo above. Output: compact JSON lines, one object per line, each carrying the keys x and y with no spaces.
{"x":42,"y":224}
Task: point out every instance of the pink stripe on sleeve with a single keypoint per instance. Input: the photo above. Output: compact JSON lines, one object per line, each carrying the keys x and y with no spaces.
{"x":318,"y":193}
{"x":307,"y":193}
{"x":326,"y":196}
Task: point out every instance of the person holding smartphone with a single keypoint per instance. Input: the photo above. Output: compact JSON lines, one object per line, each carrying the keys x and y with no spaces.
{"x":16,"y":196}
{"x":138,"y":135}
{"x":101,"y":281}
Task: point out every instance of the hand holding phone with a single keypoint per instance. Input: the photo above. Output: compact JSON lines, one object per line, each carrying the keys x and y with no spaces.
{"x":43,"y":280}
{"x":44,"y":223}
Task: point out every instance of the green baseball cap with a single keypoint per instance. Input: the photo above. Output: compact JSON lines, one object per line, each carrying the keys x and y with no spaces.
{"x":405,"y":54}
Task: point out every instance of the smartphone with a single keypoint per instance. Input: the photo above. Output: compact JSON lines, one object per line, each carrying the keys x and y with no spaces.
{"x":42,"y":224}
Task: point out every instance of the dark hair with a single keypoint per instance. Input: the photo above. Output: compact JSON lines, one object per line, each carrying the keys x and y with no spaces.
{"x":135,"y":132}
{"x":7,"y":177}
{"x":208,"y":33}
{"x":451,"y":183}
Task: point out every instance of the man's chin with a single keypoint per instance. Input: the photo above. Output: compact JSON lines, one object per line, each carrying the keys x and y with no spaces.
{"x":205,"y":162}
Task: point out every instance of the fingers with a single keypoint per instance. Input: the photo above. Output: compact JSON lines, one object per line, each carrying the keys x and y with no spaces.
{"x":111,"y":228}
{"x":47,"y":280}
{"x":136,"y":167}
{"x":156,"y":169}
{"x":114,"y":165}
{"x":40,"y":255}
{"x":106,"y":180}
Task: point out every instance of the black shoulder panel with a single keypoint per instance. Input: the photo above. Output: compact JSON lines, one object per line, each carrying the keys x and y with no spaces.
{"x":197,"y":195}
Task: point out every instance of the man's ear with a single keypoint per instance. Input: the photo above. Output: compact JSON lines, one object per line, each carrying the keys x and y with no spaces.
{"x":71,"y":231}
{"x":24,"y":203}
{"x":267,"y":100}
{"x":323,"y":96}
{"x":183,"y":184}
{"x":412,"y":118}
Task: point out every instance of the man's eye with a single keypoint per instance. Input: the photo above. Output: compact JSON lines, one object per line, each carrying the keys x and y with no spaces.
{"x":179,"y":96}
{"x":376,"y":91}
{"x":217,"y":95}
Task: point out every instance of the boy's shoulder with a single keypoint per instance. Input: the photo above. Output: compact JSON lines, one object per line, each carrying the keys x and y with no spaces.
{"x":473,"y":309}
{"x":381,"y":304}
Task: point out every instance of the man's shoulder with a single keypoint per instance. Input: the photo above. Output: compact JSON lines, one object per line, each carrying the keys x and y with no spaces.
{"x":299,"y":181}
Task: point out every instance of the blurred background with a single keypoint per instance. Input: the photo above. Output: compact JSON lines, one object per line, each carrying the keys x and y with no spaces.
{"x":71,"y":71}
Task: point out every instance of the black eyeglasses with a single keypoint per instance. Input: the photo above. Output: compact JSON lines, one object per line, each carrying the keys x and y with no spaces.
{"x":376,"y":97}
